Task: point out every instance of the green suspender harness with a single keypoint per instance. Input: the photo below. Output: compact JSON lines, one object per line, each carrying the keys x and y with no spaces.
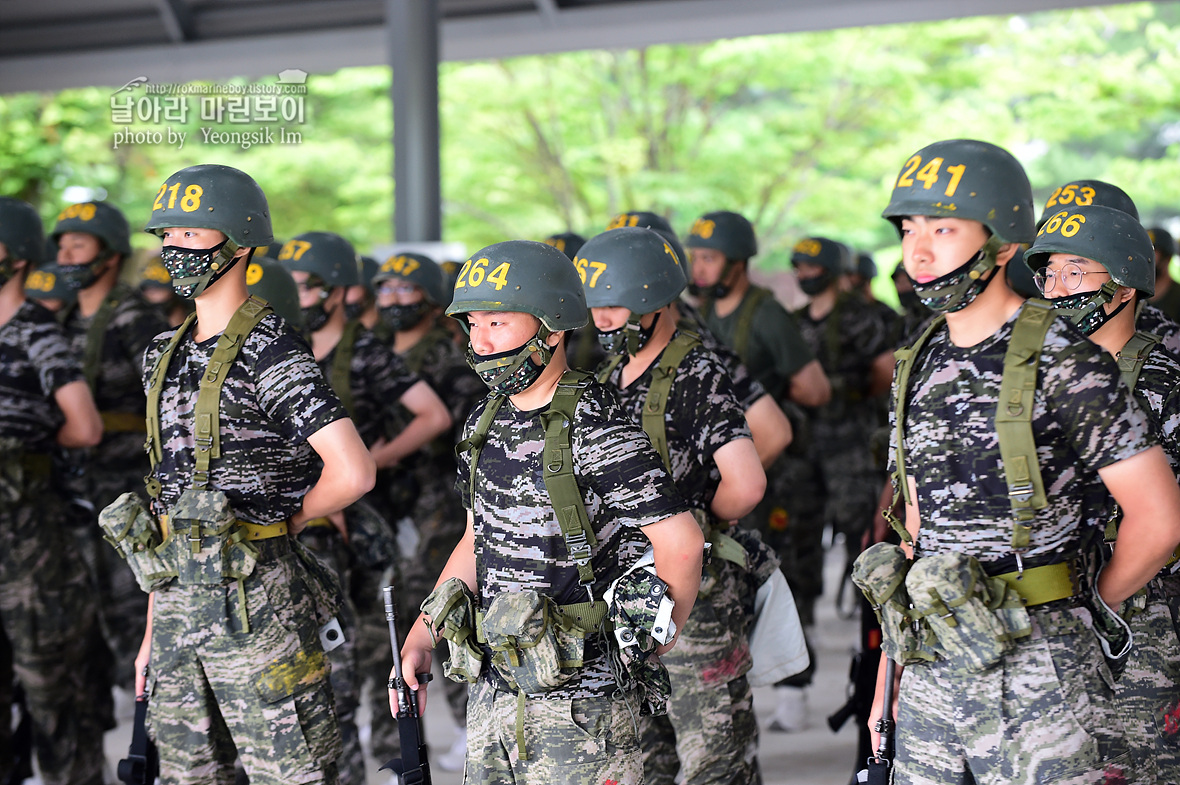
{"x":1018,"y":449}
{"x":566,"y":498}
{"x":112,"y":422}
{"x":745,"y":319}
{"x":339,"y":375}
{"x":207,"y":422}
{"x":1134,"y":354}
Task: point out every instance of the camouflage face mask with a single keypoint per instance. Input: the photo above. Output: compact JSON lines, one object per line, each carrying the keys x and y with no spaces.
{"x":959,"y":288}
{"x":513,"y":371}
{"x":194,"y":269}
{"x":81,"y":276}
{"x":403,"y":317}
{"x":1087,"y":310}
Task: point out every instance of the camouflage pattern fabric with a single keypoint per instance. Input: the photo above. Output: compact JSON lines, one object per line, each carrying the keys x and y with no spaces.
{"x":118,"y":464}
{"x":1151,"y":319}
{"x":1169,"y":303}
{"x":1045,"y":713}
{"x":266,"y":693}
{"x":578,"y":741}
{"x":701,"y":416}
{"x":36,"y":360}
{"x":378,"y":379}
{"x":1083,"y":418}
{"x":518,"y":541}
{"x":1158,"y":393}
{"x":1149,"y":690}
{"x":273,"y":398}
{"x":745,"y":386}
{"x":47,"y":604}
{"x":329,"y":547}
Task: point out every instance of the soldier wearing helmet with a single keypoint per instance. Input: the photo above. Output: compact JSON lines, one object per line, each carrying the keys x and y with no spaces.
{"x":156,"y":287}
{"x":582,"y":351}
{"x":360,"y":301}
{"x":374,"y":386}
{"x":632,"y":279}
{"x":1097,"y":275}
{"x":411,"y":294}
{"x":49,"y":613}
{"x":109,"y":324}
{"x":1007,"y":429}
{"x":248,"y":443}
{"x":547,"y":440}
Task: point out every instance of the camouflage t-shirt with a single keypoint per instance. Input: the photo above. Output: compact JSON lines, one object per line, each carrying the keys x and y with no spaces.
{"x":701,"y":416}
{"x":518,"y":541}
{"x":1158,"y":392}
{"x":846,"y":341}
{"x":35,"y":361}
{"x":274,"y":398}
{"x":745,"y":386}
{"x":439,"y":361}
{"x":378,"y":379}
{"x":1083,"y":419}
{"x":1152,"y":320}
{"x":119,"y":387}
{"x":774,"y":350}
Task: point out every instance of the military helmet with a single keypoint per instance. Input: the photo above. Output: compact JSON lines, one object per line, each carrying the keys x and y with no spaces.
{"x":631,"y":268}
{"x":566,"y":242}
{"x":1020,"y":276}
{"x":819,"y":251}
{"x":865,"y":266}
{"x":1082,"y":193}
{"x":524,"y":276}
{"x":272,"y":249}
{"x":45,"y":283}
{"x":100,"y":219}
{"x":450,"y":270}
{"x":20,"y":231}
{"x":418,"y":269}
{"x":367,"y":268}
{"x":154,"y":275}
{"x":324,"y":254}
{"x":212,"y":196}
{"x":965,"y":178}
{"x":1162,"y":241}
{"x":657,"y":223}
{"x":271,"y":280}
{"x":1108,"y":236}
{"x":724,"y":231}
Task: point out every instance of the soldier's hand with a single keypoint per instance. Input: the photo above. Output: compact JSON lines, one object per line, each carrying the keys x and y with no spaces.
{"x":141,"y":664}
{"x":414,"y":661}
{"x":337,"y":519}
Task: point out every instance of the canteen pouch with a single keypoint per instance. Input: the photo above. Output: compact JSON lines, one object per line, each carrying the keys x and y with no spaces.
{"x":451,"y":611}
{"x":206,"y":542}
{"x":880,"y":574}
{"x":974,"y":618}
{"x":134,"y":532}
{"x":535,"y":649}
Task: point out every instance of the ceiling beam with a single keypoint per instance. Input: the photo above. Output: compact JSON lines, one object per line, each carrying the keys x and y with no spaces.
{"x":177,"y":19}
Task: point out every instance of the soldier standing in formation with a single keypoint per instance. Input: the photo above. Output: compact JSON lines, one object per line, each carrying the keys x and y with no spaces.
{"x":48,"y":614}
{"x":534,"y":570}
{"x":1015,"y":523}
{"x":238,"y":412}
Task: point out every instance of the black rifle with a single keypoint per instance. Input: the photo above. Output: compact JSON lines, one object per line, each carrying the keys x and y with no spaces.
{"x":412,"y":768}
{"x":142,"y":764}
{"x":882,"y":761}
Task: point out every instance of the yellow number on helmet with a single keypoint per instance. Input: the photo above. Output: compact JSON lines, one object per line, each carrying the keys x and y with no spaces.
{"x":703,"y":228}
{"x":253,"y":273}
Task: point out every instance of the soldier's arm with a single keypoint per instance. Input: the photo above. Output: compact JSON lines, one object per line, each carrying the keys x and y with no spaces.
{"x":145,"y":650}
{"x":809,"y":385}
{"x":1146,"y":490}
{"x":348,"y":474}
{"x":678,"y":546}
{"x":742,"y":479}
{"x":83,"y":426}
{"x":431,"y":419}
{"x":770,"y":428}
{"x":418,"y":647}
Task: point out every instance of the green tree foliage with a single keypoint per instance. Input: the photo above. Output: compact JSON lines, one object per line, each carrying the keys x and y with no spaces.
{"x":803,"y":133}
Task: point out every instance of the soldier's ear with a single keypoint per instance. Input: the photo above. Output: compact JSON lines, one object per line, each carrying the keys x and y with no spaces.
{"x":1006,"y":252}
{"x":553,"y":340}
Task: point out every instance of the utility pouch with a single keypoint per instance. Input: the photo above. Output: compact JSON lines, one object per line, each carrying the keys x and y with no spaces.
{"x":974,"y":618}
{"x":535,"y":649}
{"x":880,"y":574}
{"x":322,"y":583}
{"x":1114,"y":634}
{"x":134,"y":532}
{"x":203,"y":541}
{"x":451,"y":610}
{"x":639,"y":611}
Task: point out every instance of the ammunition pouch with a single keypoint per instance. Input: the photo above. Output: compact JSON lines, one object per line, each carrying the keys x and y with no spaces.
{"x":639,"y":612}
{"x":206,"y":545}
{"x":974,"y":619}
{"x":134,"y":532}
{"x":536,"y":646}
{"x":451,"y":610}
{"x":880,"y":574}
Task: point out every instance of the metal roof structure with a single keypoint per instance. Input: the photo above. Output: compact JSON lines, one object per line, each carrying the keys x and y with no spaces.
{"x":55,"y":44}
